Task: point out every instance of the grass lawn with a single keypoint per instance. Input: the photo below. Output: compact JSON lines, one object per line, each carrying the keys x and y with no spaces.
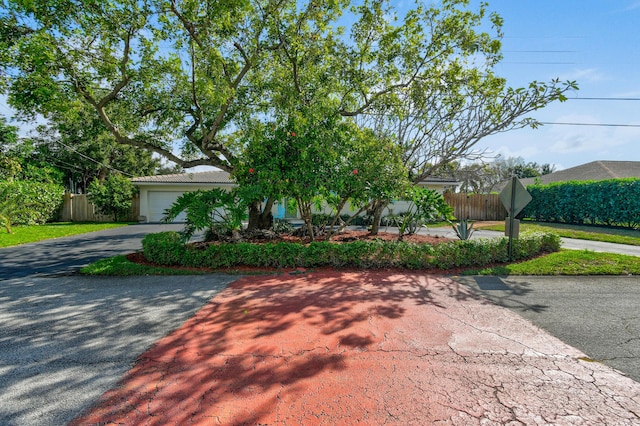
{"x":569,"y":262}
{"x":564,"y":262}
{"x":120,"y":266}
{"x":593,"y":233}
{"x":30,"y":234}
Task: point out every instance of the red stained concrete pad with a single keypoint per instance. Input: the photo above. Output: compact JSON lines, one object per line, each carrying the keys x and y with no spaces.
{"x":363,"y":348}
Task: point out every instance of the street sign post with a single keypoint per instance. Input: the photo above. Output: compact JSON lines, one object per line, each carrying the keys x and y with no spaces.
{"x":514,"y":198}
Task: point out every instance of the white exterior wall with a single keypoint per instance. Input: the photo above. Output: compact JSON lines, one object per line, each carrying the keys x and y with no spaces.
{"x":398,"y":206}
{"x":149,"y":192}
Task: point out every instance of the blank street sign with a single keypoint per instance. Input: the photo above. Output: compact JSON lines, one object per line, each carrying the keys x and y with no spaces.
{"x":521,"y":197}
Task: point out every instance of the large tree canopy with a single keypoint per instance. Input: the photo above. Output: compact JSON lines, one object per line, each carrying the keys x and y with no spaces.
{"x":9,"y":165}
{"x":188,"y":78}
{"x":161,"y":71}
{"x":78,"y":144}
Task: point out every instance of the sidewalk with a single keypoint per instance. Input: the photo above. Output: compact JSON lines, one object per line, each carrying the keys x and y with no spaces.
{"x":345,"y":348}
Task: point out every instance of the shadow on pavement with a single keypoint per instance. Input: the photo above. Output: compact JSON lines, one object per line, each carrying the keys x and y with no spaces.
{"x":64,"y":341}
{"x":262,"y":334}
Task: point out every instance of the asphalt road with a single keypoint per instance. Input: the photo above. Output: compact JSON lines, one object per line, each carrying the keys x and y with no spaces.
{"x":67,"y":255}
{"x":598,"y":315}
{"x":65,"y":338}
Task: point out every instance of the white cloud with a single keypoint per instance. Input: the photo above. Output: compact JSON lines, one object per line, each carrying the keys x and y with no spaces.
{"x":600,"y":141}
{"x":591,"y":75}
{"x":633,"y":6}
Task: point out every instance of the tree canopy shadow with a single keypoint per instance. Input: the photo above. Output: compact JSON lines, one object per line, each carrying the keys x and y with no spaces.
{"x":259,"y":336}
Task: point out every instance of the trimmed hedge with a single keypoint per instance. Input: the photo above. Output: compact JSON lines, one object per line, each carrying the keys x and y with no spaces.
{"x":165,"y":248}
{"x":608,"y":202}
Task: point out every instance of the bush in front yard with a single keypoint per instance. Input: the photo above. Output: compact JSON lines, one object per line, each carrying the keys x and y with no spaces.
{"x":29,"y":203}
{"x":608,"y":202}
{"x":166,"y":248}
{"x":113,"y":196}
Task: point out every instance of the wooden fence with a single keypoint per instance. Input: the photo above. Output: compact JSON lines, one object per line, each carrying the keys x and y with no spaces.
{"x":476,"y":206}
{"x":77,"y":208}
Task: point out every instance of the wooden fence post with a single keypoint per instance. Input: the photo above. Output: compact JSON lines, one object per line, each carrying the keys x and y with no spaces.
{"x":66,"y":213}
{"x":476,"y":206}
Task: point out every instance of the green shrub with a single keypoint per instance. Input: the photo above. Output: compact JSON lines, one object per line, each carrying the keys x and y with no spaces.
{"x":164,"y":248}
{"x":321,"y":219}
{"x":167,"y":248}
{"x":216,"y":211}
{"x":282,"y":226}
{"x":113,"y":196}
{"x":29,"y":203}
{"x":425,"y":206}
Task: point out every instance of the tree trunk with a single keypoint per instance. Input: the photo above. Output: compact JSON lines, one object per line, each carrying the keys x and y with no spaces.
{"x":260,"y":218}
{"x":332,"y":229}
{"x":377,"y":208}
{"x":305,"y":212}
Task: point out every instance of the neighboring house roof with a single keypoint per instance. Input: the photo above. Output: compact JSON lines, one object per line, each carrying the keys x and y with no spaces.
{"x":212,"y":177}
{"x":440,"y":180}
{"x":596,"y":170}
{"x":222,"y":178}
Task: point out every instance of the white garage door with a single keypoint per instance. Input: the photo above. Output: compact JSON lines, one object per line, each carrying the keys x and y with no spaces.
{"x":161,"y":200}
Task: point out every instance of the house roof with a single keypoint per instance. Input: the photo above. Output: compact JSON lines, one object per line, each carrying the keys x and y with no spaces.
{"x":596,"y":170}
{"x":213,"y":177}
{"x":223,"y":178}
{"x":442,"y":180}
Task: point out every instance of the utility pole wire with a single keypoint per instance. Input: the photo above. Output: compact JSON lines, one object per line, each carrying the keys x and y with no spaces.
{"x":94,"y":160}
{"x":589,"y":124}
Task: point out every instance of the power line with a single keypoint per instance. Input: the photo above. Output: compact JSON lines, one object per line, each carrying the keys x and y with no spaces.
{"x":95,"y":161}
{"x":603,"y":99}
{"x":590,"y":124}
{"x":540,"y":51}
{"x":538,"y":63}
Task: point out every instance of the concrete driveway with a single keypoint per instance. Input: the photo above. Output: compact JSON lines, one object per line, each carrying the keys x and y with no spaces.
{"x":363,"y":348}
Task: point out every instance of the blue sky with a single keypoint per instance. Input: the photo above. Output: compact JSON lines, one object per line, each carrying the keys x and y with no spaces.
{"x":597,"y":44}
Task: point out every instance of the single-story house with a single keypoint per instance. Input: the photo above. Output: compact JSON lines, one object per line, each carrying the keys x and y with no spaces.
{"x":158,"y":193}
{"x":595,"y":170}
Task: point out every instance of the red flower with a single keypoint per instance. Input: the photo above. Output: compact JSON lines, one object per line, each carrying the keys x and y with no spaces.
{"x":355,"y":171}
{"x":293,"y":134}
{"x":251,"y":170}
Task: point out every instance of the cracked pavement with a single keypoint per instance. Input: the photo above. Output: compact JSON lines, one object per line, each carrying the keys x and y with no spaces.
{"x":598,"y":315}
{"x":367,"y":347}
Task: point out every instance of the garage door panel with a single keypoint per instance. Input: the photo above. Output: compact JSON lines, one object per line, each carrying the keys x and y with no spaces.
{"x":159,"y":201}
